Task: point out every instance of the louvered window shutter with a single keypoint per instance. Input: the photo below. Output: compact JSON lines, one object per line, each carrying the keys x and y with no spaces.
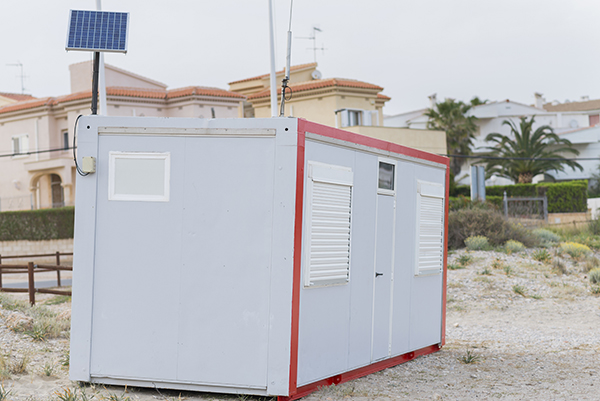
{"x":430,"y":228}
{"x":328,"y":225}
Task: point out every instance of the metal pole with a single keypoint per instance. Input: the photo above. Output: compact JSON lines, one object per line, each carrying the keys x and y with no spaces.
{"x":95,"y":83}
{"x":273,"y":72}
{"x":505,"y":205}
{"x":545,"y":203}
{"x":0,"y":272}
{"x":102,"y":83}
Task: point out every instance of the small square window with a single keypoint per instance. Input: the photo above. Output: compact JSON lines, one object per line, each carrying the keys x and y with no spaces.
{"x":134,"y":176}
{"x":386,"y":176}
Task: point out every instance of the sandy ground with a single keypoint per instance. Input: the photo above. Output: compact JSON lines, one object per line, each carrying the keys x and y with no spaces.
{"x":541,"y":345}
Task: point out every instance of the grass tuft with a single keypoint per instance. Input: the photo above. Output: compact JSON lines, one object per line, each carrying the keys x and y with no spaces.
{"x":520,"y":290}
{"x":541,"y":255}
{"x":469,"y":357}
{"x":465,"y":259}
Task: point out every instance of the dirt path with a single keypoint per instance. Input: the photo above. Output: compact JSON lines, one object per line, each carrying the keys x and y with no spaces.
{"x":533,"y":334}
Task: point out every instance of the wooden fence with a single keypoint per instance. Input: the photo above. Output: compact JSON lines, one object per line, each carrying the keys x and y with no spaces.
{"x":31,"y":268}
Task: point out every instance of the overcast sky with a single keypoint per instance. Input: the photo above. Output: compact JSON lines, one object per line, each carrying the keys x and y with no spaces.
{"x":495,"y":49}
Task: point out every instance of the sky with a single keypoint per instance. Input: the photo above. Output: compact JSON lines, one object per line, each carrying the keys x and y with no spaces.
{"x":493,"y":49}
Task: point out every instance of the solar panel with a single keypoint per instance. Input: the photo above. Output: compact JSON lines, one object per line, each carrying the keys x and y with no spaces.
{"x":98,"y":31}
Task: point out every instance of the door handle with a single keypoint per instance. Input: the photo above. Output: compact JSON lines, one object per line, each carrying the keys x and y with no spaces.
{"x":378,"y":274}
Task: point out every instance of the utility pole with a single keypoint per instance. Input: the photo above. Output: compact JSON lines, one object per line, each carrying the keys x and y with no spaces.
{"x":102,"y":77}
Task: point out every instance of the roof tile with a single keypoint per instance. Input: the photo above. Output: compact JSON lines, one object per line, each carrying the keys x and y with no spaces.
{"x":318,"y":84}
{"x":125,"y":92}
{"x":17,"y":96}
{"x":292,"y":68}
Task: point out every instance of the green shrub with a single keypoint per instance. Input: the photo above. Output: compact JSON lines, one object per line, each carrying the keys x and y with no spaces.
{"x":590,"y":263}
{"x":465,"y":259}
{"x":546,"y":237}
{"x":462,"y":202}
{"x":594,"y":226}
{"x":513,"y":246}
{"x":466,"y":223}
{"x":594,"y":276}
{"x":559,"y":266}
{"x":563,"y":197}
{"x":36,"y":225}
{"x":574,"y":249}
{"x":477,"y":243}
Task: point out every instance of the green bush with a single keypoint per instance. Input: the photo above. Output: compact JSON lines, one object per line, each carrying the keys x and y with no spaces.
{"x":563,"y":197}
{"x":466,"y":223}
{"x":36,"y":225}
{"x":477,"y":243}
{"x":462,"y":202}
{"x":574,"y":249}
{"x":546,"y":237}
{"x":513,"y":246}
{"x":594,"y":276}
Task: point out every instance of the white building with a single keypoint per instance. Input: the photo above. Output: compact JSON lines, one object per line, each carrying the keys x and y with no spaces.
{"x":36,"y":134}
{"x":574,"y":121}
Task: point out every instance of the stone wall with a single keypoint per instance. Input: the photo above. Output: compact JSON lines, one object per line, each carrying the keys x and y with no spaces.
{"x":10,"y":248}
{"x":574,"y":219}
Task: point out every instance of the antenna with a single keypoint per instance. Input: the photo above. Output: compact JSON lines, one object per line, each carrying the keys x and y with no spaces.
{"x":22,"y":76}
{"x":313,"y":37}
{"x":288,"y":59}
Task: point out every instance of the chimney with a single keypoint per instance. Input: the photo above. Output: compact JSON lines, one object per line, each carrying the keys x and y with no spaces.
{"x":539,"y":100}
{"x":432,"y":101}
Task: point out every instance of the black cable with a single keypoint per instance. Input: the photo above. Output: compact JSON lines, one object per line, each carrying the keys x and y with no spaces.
{"x":79,"y":171}
{"x":523,"y":158}
{"x":287,"y":89}
{"x":34,"y":152}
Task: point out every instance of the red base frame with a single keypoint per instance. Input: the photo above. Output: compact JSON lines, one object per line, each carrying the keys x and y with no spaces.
{"x":360,"y":372}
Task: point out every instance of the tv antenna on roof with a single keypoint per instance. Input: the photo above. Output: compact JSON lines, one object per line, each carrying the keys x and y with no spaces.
{"x":313,"y":37}
{"x":22,"y":76}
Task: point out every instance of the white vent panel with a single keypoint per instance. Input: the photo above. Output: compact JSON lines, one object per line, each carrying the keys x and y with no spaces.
{"x":329,"y":219}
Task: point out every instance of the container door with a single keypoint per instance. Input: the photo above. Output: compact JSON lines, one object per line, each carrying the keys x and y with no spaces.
{"x":384,"y":259}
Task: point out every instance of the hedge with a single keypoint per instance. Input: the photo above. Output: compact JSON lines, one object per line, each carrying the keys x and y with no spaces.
{"x":563,"y":197}
{"x":36,"y":225}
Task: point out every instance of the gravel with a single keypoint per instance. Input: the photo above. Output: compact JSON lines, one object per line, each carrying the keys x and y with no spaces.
{"x":543,"y":344}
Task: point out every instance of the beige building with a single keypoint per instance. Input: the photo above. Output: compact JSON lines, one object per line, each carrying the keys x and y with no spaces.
{"x":353,"y":105}
{"x":36,"y":135}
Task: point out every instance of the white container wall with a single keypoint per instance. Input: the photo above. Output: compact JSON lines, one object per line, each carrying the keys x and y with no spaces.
{"x":255,"y":256}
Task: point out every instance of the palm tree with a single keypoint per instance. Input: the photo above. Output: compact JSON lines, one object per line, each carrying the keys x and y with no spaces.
{"x":450,"y":116}
{"x":527,"y":153}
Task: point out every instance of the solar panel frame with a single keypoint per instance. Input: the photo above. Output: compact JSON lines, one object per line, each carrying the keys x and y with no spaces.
{"x":104,"y":31}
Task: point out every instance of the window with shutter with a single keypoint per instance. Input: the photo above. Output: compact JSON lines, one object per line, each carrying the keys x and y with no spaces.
{"x":20,"y":144}
{"x":328,"y":222}
{"x":430,"y":228}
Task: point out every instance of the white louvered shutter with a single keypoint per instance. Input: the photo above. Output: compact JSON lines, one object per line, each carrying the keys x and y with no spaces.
{"x":430,"y":228}
{"x":328,"y":225}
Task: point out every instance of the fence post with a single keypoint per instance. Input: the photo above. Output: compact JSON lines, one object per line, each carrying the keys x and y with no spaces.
{"x":0,"y":272}
{"x":58,"y":271}
{"x":505,"y":201}
{"x":31,"y":283}
{"x":545,"y":202}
